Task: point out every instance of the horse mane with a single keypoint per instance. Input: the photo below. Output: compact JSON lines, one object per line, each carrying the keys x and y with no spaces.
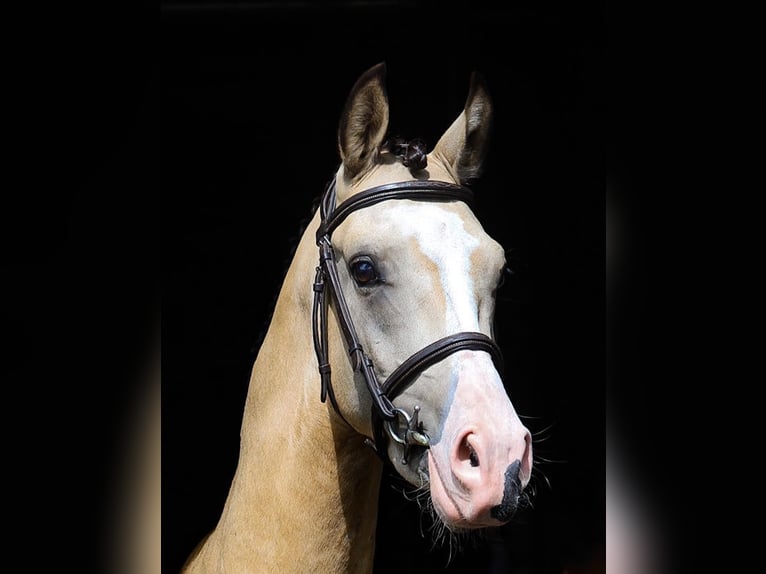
{"x":412,"y":153}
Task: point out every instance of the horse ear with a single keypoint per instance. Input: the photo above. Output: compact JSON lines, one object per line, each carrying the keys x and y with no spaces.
{"x":364,"y":121}
{"x":463,"y":146}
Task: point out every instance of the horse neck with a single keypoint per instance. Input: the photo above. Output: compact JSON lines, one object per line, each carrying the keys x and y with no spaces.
{"x":304,"y":496}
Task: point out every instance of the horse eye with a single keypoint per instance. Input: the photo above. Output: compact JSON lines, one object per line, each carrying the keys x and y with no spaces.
{"x":363,"y":271}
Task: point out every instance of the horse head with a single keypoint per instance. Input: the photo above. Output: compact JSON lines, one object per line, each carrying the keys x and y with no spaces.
{"x":413,"y":271}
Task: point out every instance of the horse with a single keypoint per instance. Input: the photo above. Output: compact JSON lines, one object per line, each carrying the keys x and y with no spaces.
{"x":379,"y":354}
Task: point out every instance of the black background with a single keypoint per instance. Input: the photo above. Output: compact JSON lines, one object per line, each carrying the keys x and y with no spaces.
{"x":250,"y":101}
{"x":244,"y":88}
{"x":79,"y":275}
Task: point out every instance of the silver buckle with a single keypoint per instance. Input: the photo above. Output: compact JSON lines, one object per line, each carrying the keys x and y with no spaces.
{"x":413,"y":432}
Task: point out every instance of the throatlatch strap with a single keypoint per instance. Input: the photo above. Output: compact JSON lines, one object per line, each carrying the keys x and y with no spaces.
{"x":319,"y":328}
{"x":361,"y":362}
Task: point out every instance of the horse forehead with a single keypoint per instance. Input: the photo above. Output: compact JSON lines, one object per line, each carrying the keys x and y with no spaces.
{"x":442,"y":232}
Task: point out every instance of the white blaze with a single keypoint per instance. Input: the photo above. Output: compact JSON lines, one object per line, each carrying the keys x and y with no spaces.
{"x":443,"y":239}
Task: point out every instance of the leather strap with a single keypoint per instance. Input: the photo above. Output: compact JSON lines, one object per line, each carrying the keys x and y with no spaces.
{"x":417,"y":190}
{"x":437,"y":351}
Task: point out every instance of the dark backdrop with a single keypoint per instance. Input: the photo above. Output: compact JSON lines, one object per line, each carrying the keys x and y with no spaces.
{"x":250,"y":99}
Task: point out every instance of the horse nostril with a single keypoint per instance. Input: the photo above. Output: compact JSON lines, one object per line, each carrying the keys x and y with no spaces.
{"x":473,"y":456}
{"x":466,"y":451}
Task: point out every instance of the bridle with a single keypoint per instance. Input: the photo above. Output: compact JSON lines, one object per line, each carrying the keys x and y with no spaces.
{"x":327,"y":282}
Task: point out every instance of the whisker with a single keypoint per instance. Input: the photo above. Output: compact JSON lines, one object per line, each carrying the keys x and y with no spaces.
{"x":534,"y":420}
{"x":540,"y":459}
{"x":537,"y":475}
{"x":531,"y":417}
{"x":441,"y":535}
{"x":544,"y":432}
